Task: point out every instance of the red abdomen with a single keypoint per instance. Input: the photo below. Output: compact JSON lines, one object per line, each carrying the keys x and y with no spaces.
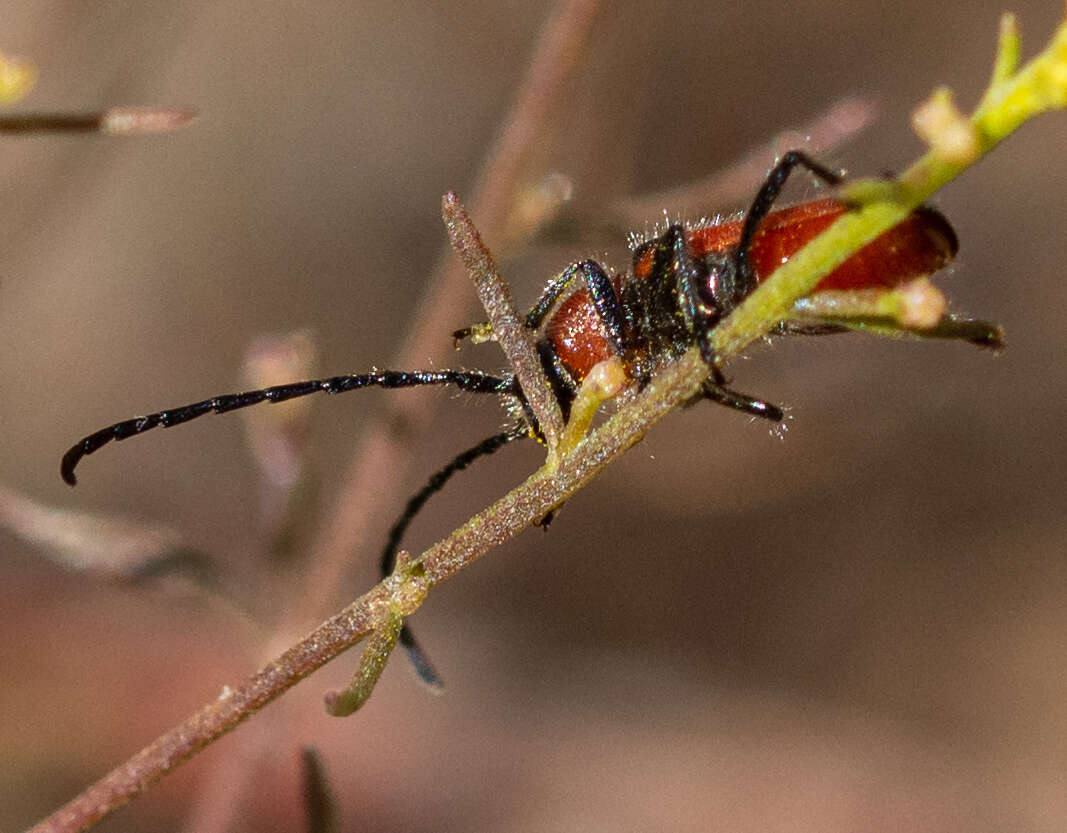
{"x":919,"y":245}
{"x":577,"y":334}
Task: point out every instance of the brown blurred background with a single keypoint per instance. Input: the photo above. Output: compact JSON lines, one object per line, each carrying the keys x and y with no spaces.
{"x":860,"y":628}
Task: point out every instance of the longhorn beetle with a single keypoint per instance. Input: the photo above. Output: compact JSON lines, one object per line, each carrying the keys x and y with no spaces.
{"x":682,"y":284}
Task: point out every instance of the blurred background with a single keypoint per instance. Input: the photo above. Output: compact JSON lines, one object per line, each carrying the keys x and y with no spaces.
{"x":860,"y":627}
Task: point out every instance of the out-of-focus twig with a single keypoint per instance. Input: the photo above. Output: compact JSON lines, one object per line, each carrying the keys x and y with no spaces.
{"x":277,"y":439}
{"x":319,"y":806}
{"x":82,"y":541}
{"x":117,"y":121}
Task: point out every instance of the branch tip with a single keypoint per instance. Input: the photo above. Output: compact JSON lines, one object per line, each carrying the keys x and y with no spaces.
{"x":137,"y":121}
{"x":508,"y":326}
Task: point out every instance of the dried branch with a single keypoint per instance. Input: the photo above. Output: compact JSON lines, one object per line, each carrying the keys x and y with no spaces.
{"x":117,"y":121}
{"x":515,"y":340}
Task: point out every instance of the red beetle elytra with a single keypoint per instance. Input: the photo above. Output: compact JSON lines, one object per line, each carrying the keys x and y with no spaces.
{"x":682,"y":284}
{"x":920,"y":245}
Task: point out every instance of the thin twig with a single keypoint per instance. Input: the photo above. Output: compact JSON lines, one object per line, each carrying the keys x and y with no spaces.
{"x":117,"y":121}
{"x":510,"y":330}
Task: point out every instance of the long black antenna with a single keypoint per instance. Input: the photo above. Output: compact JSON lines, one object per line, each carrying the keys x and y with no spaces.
{"x":472,"y":382}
